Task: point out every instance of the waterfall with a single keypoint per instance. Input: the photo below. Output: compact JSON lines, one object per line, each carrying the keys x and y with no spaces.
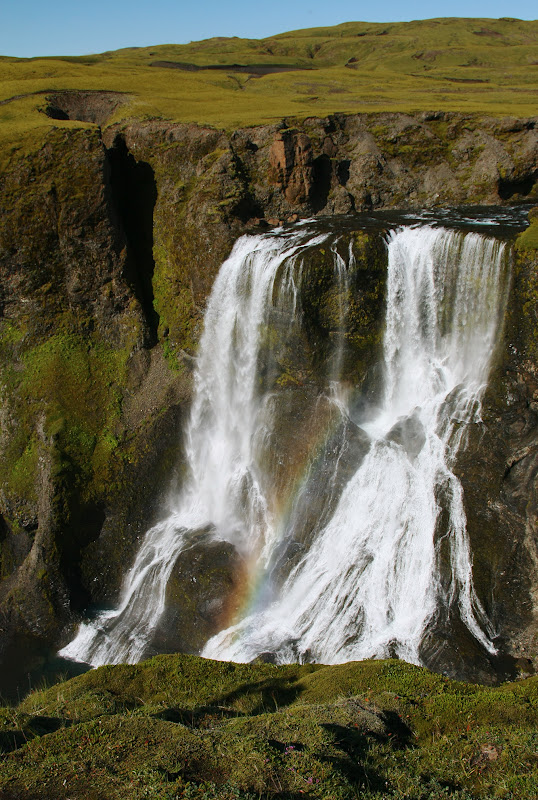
{"x":369,"y":583}
{"x":224,"y":488}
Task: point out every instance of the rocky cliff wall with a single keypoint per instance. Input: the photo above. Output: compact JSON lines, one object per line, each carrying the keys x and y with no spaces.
{"x":499,"y":468}
{"x":109,"y":244}
{"x":212,"y":186}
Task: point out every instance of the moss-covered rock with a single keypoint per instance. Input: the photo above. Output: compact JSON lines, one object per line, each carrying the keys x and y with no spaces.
{"x":203,"y":594}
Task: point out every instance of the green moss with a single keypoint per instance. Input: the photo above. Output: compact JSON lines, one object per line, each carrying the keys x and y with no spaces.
{"x":23,"y":475}
{"x":528,"y":240}
{"x":10,"y":335}
{"x":181,"y":726}
{"x":174,"y":302}
{"x":524,"y":320}
{"x":183,"y":681}
{"x":69,"y":386}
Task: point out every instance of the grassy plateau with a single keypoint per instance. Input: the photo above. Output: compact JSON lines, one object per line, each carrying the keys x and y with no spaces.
{"x":484,"y":66}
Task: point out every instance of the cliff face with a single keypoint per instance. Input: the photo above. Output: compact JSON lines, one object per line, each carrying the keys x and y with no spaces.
{"x":499,"y":467}
{"x":212,"y":186}
{"x":88,"y":408}
{"x":109,"y":244}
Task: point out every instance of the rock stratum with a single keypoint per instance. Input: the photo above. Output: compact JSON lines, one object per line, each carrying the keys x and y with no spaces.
{"x":109,"y":243}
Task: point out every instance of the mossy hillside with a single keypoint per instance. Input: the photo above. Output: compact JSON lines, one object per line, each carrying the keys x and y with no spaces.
{"x":71,"y":383}
{"x":526,"y":288}
{"x":179,"y":726}
{"x":528,"y":240}
{"x":62,"y":448}
{"x":66,"y":408}
{"x":63,"y":354}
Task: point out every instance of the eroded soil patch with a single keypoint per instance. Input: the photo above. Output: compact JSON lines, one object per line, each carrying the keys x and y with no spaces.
{"x":96,"y":107}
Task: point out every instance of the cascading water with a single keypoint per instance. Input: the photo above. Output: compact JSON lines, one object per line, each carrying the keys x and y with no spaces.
{"x":369,"y":583}
{"x":225,"y":484}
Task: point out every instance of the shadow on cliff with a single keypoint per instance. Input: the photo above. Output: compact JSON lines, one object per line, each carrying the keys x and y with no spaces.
{"x":134,"y":194}
{"x":521,"y":186}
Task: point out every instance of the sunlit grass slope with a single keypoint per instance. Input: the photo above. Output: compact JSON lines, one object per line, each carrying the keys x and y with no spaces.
{"x":182,"y":727}
{"x":474,"y":65}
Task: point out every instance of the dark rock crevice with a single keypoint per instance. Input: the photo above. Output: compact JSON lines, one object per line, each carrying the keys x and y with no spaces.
{"x":4,"y":530}
{"x":342,"y":171}
{"x":85,"y":522}
{"x":508,"y":188}
{"x":134,"y":194}
{"x":321,"y":182}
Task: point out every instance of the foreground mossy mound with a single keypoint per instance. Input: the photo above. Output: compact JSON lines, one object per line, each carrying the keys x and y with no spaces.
{"x":182,"y":726}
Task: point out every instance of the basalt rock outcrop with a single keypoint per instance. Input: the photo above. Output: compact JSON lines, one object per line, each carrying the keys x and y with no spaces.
{"x":109,"y":244}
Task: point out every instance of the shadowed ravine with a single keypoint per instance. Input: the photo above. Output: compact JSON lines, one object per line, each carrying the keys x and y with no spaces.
{"x":388,"y":555}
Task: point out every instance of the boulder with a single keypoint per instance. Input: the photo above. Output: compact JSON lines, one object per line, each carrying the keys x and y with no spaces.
{"x":204,"y":592}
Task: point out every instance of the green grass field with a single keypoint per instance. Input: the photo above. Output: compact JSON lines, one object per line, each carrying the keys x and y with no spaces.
{"x":183,"y":727}
{"x":473,"y":65}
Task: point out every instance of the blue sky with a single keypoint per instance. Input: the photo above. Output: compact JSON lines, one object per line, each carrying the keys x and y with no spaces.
{"x":72,"y":27}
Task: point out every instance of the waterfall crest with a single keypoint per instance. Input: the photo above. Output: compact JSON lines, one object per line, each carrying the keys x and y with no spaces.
{"x":370,"y":582}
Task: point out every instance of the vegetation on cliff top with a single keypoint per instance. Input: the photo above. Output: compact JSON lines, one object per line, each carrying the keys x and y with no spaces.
{"x":528,"y":240}
{"x":182,"y":726}
{"x":473,"y":65}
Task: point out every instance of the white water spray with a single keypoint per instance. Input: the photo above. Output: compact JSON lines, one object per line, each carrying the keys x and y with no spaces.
{"x":224,"y":489}
{"x":370,"y":583}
